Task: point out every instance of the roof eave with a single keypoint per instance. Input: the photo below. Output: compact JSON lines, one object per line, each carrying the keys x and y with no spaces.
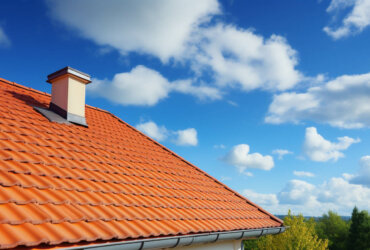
{"x":184,"y":240}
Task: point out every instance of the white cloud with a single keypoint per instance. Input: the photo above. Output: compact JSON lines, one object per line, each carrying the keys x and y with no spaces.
{"x":141,"y":86}
{"x":239,"y":58}
{"x":340,"y":4}
{"x":233,"y":103}
{"x":355,"y":22}
{"x":281,"y":153}
{"x":240,"y":157}
{"x":145,"y":87}
{"x":225,"y":178}
{"x":347,"y":176}
{"x":363,"y":175}
{"x":260,"y":199}
{"x":342,"y":193}
{"x":151,"y":129}
{"x":182,"y":32}
{"x":337,"y":195}
{"x":317,"y":148}
{"x":187,"y":137}
{"x":161,"y":28}
{"x":249,"y":174}
{"x":342,"y":102}
{"x":4,"y":40}
{"x":303,"y":174}
{"x":297,"y":192}
{"x":219,"y":146}
{"x":201,"y":91}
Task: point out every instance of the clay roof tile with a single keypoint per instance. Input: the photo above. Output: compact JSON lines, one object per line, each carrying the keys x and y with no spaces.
{"x":64,"y":183}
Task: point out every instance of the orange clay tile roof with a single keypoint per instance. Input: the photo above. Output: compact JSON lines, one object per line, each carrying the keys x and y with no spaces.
{"x":71,"y":184}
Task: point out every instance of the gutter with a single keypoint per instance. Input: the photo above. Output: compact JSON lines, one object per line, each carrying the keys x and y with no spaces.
{"x":185,"y":240}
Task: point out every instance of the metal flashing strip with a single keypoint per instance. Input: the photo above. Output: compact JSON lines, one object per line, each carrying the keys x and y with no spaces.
{"x":67,"y":116}
{"x":51,"y":115}
{"x":77,"y":119}
{"x":72,"y":71}
{"x":185,"y":240}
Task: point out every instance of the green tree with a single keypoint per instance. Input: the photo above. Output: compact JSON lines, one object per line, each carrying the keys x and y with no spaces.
{"x":301,"y":234}
{"x":332,"y":227}
{"x":359,"y":232}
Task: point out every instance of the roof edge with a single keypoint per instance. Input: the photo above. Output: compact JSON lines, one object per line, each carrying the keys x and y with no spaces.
{"x":200,"y":170}
{"x":183,"y":240}
{"x":23,"y":87}
{"x":45,"y":93}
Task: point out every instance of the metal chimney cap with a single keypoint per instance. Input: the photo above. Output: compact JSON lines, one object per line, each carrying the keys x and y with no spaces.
{"x":71,"y":71}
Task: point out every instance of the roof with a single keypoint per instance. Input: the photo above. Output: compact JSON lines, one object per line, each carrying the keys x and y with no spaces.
{"x":63,"y":183}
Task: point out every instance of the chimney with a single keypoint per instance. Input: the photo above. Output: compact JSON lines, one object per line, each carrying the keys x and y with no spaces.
{"x":68,"y":94}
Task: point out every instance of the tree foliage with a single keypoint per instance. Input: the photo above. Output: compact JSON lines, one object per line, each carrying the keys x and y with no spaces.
{"x":301,"y":234}
{"x":359,"y":232}
{"x":330,"y":231}
{"x":332,"y":227}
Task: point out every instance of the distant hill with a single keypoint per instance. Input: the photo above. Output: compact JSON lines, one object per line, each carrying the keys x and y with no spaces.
{"x":345,"y":218}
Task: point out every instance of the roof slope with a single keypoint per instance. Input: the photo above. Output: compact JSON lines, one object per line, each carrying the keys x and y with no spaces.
{"x":67,"y":183}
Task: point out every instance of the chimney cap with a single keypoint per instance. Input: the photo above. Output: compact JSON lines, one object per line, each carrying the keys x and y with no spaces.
{"x":70,"y":71}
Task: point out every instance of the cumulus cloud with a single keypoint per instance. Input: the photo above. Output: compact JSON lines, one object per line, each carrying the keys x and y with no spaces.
{"x":182,"y":31}
{"x":160,"y":28}
{"x":145,"y":87}
{"x":260,"y":199}
{"x":141,"y":86}
{"x":225,"y":178}
{"x":249,"y":174}
{"x":187,"y":137}
{"x":303,"y":174}
{"x":239,"y":58}
{"x":201,"y":91}
{"x":4,"y":40}
{"x":233,"y":103}
{"x":363,"y":175}
{"x":341,"y":192}
{"x":240,"y":157}
{"x":347,"y":176}
{"x":355,"y":21}
{"x":317,"y":148}
{"x":151,"y":129}
{"x":297,"y":192}
{"x":281,"y":153}
{"x":337,"y":194}
{"x":342,"y":102}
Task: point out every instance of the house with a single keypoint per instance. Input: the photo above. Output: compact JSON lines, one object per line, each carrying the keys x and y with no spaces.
{"x":75,"y":176}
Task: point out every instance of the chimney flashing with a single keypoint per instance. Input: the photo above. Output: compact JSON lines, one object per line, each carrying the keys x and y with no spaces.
{"x":77,"y":119}
{"x":69,"y":71}
{"x":51,"y":115}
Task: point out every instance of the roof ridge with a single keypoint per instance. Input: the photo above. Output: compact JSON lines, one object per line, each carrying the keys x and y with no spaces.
{"x":23,"y":87}
{"x":43,"y":93}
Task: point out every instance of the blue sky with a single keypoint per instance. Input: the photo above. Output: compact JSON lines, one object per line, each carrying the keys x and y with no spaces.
{"x":270,"y":97}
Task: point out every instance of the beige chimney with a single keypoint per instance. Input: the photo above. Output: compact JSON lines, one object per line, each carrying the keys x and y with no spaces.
{"x":68,"y":94}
